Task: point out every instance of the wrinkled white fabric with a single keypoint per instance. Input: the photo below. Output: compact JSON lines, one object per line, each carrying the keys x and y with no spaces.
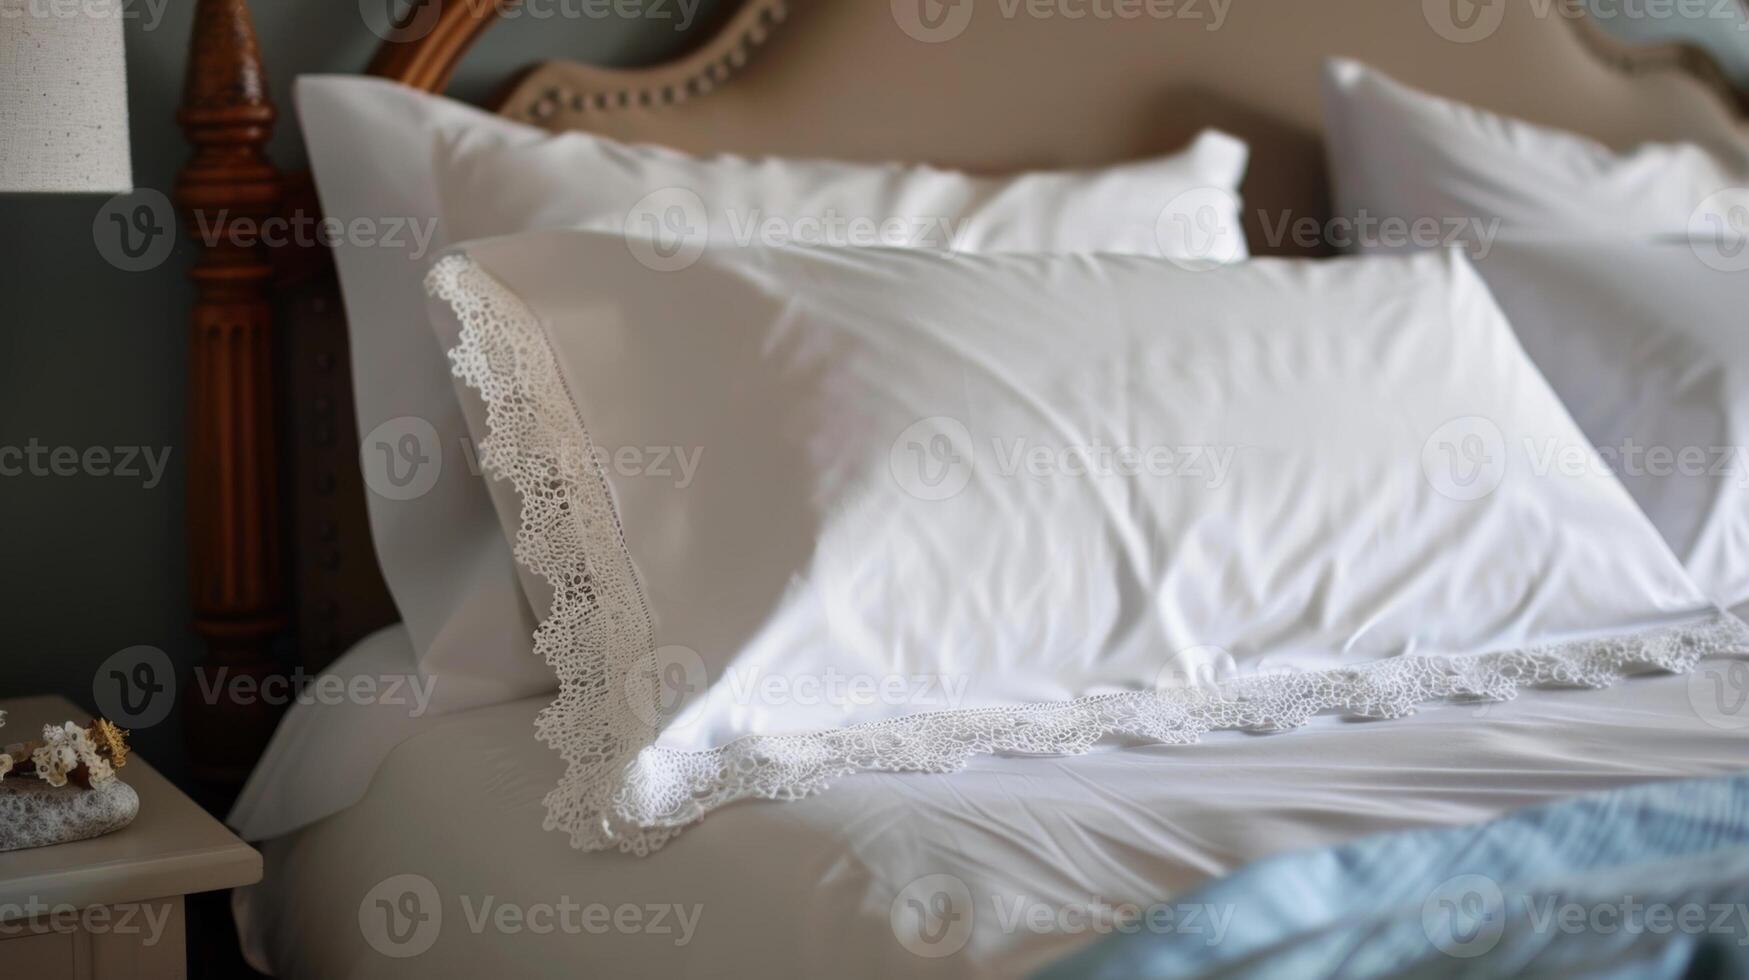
{"x":809,"y":889}
{"x":674,"y":206}
{"x":1645,"y":344}
{"x":1029,"y":502}
{"x":1401,"y":154}
{"x":1623,"y":273}
{"x":327,"y":747}
{"x":449,"y":569}
{"x":380,"y":151}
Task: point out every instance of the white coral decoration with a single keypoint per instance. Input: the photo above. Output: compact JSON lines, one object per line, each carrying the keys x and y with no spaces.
{"x":65,"y":749}
{"x":5,"y":764}
{"x":102,"y":773}
{"x":56,"y":757}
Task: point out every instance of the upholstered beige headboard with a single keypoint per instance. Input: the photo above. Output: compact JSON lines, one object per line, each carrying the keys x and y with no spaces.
{"x":998,"y":85}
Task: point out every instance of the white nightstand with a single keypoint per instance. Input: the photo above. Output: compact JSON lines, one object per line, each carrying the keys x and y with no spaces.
{"x":111,"y":907}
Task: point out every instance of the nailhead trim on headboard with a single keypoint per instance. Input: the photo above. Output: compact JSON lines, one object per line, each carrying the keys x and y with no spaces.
{"x":718,"y":71}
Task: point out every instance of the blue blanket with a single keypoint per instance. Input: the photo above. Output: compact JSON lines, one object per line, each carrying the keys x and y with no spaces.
{"x":1651,"y":881}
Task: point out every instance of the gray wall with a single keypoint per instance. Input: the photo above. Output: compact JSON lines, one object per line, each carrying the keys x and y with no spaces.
{"x":91,"y":356}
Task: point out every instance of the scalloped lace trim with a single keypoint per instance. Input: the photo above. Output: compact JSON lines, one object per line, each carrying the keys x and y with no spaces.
{"x":621,"y":791}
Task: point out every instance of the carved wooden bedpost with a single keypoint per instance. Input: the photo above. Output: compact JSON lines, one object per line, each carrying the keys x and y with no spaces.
{"x":236,"y":579}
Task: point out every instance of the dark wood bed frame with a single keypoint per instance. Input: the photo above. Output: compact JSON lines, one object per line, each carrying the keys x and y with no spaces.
{"x":243,"y":439}
{"x":279,"y":545}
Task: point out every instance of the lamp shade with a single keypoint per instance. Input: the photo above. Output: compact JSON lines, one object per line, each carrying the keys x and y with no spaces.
{"x":63,"y":97}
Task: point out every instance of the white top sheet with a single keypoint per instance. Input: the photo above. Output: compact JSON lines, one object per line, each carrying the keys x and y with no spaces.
{"x":1021,"y":855}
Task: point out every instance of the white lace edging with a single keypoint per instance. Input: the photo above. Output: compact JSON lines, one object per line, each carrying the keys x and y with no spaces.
{"x":620,"y":790}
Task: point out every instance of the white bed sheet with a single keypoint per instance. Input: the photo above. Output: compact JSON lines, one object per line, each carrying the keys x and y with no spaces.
{"x":808,"y":889}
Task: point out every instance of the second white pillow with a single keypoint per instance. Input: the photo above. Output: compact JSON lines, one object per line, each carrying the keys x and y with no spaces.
{"x":810,"y":511}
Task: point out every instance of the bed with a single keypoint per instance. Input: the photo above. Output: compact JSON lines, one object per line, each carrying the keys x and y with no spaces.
{"x":1070,"y":837}
{"x":425,"y":856}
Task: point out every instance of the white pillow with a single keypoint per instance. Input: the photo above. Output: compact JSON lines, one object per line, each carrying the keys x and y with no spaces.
{"x":1645,"y":343}
{"x":672,"y":206}
{"x":1404,"y":155}
{"x":371,"y":145}
{"x":1625,"y":276}
{"x":1183,"y":206}
{"x":374,"y":148}
{"x":946,"y":505}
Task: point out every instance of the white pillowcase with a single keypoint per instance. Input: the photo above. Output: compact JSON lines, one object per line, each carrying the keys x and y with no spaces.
{"x":944,"y":505}
{"x":1398,"y":153}
{"x":1182,"y":206}
{"x":671,"y":207}
{"x":1625,"y":275}
{"x":1646,"y":344}
{"x":375,"y":149}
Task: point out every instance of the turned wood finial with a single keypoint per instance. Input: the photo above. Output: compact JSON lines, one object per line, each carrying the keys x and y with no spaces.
{"x":236,"y":579}
{"x":226,"y":113}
